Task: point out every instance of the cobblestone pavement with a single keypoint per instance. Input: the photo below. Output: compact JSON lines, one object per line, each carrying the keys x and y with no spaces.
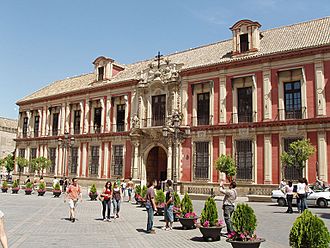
{"x":33,"y":221}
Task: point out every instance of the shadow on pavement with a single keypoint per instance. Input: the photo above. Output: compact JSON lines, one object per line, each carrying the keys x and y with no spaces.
{"x":68,"y":219}
{"x":324,"y":215}
{"x":197,"y":239}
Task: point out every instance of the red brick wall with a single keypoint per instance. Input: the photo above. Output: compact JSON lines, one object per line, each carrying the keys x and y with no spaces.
{"x":86,"y":172}
{"x":109,"y":159}
{"x":215,"y":157}
{"x":274,"y":93}
{"x":260,"y":101}
{"x":128,"y":159}
{"x":186,"y":160}
{"x":260,"y":159}
{"x":216,"y":101}
{"x":229,"y":99}
{"x":275,"y":159}
{"x":311,"y":173}
{"x":327,"y":85}
{"x":102,"y":161}
{"x":310,"y":89}
{"x":229,"y":145}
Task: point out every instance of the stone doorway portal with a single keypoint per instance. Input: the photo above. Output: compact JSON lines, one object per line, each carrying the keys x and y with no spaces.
{"x":157,"y":164}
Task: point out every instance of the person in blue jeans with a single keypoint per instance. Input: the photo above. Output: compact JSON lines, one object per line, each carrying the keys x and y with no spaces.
{"x":151,"y":206}
{"x":116,"y":197}
{"x":168,"y":211}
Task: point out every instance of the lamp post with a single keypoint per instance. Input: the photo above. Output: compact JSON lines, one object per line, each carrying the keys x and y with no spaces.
{"x":66,"y":143}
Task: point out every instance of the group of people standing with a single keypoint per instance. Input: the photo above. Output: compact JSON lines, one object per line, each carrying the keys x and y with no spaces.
{"x":111,"y":195}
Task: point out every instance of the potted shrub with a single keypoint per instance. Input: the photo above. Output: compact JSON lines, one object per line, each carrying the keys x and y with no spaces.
{"x":15,"y":187}
{"x":244,"y":223}
{"x":93,"y":192}
{"x":28,"y":188}
{"x":226,"y":164}
{"x":309,"y":231}
{"x":143,"y":196}
{"x":210,"y":225}
{"x":137,"y":193}
{"x":188,"y":217}
{"x":176,"y":206}
{"x":4,"y":187}
{"x":57,"y":190}
{"x":160,"y":201}
{"x":42,"y":189}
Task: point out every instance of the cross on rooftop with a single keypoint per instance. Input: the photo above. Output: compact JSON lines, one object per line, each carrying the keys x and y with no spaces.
{"x":158,"y":57}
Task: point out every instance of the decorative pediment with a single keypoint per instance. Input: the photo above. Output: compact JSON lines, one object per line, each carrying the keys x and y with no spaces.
{"x":159,"y":72}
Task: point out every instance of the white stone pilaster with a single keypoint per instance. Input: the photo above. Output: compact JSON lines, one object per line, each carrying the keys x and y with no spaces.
{"x":319,"y":88}
{"x":67,"y":117}
{"x":102,"y":114}
{"x":267,"y":159}
{"x":322,"y":156}
{"x":86,"y":117}
{"x":82,"y":117}
{"x":169,"y":160}
{"x":222,"y":101}
{"x":84,"y":154}
{"x":62,"y":119}
{"x":222,"y":150}
{"x":108,"y":121}
{"x":267,"y":94}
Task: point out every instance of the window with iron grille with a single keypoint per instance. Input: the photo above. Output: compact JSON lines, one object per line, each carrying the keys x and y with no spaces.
{"x":244,"y":98}
{"x":76,"y":121}
{"x":158,"y":110}
{"x":52,"y":158}
{"x":120,"y":118}
{"x":33,"y":155}
{"x":201,"y":160}
{"x":21,"y":153}
{"x":74,"y":160}
{"x":100,"y":73}
{"x":291,"y":172}
{"x":203,"y":108}
{"x":118,"y":160}
{"x":97,"y":119}
{"x":55,"y":124}
{"x":244,"y":42}
{"x":244,"y":157}
{"x":292,"y":100}
{"x":25,"y":126}
{"x":36,"y":126}
{"x":94,"y":168}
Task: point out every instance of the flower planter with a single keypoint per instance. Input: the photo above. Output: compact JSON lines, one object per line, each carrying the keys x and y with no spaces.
{"x":93,"y":197}
{"x":142,"y":202}
{"x":188,"y":223}
{"x":160,"y":211}
{"x":211,"y":233}
{"x":176,"y":216}
{"x":57,"y":193}
{"x":14,"y":190}
{"x":4,"y":190}
{"x":28,"y":191}
{"x":41,"y":192}
{"x":245,"y":244}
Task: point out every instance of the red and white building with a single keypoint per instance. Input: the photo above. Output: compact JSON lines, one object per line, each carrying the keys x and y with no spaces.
{"x":248,"y":96}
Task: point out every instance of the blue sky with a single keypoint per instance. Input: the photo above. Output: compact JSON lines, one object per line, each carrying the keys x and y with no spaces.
{"x":42,"y":40}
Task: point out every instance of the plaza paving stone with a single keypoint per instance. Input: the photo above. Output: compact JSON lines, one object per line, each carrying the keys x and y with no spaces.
{"x":33,"y":221}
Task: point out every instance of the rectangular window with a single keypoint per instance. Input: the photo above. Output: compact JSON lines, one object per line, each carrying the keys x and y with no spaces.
{"x":100,"y":73}
{"x":203,"y":108}
{"x":97,"y":120}
{"x":158,"y":110}
{"x":25,"y":126}
{"x":76,"y":121}
{"x":201,"y":160}
{"x":292,"y":100}
{"x":52,"y":158}
{"x":120,"y":118}
{"x":55,"y":124}
{"x":244,"y":157}
{"x":74,"y":161}
{"x":21,"y":153}
{"x":118,"y":160}
{"x":94,"y":168}
{"x":36,"y":126}
{"x":244,"y":99}
{"x":244,"y":42}
{"x":291,"y":172}
{"x":33,"y":155}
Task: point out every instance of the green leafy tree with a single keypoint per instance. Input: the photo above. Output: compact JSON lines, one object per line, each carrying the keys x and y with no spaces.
{"x":160,"y":197}
{"x":244,"y":221}
{"x":9,"y":163}
{"x":309,"y":231}
{"x":299,"y":152}
{"x":186,"y":205}
{"x":40,"y":164}
{"x":210,"y":212}
{"x":21,"y":163}
{"x":226,"y":164}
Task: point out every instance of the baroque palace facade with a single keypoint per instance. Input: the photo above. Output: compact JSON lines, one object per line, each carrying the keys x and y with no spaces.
{"x":249,"y":96}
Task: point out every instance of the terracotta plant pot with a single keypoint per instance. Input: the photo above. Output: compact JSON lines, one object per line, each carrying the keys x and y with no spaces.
{"x":246,"y":244}
{"x":188,"y":223}
{"x":211,"y":233}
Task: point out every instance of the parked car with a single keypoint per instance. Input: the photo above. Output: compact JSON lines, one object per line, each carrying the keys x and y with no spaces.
{"x":320,"y":198}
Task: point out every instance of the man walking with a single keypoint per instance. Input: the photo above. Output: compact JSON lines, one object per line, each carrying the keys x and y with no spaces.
{"x":130,"y":186}
{"x":228,"y":203}
{"x":151,"y":206}
{"x":74,"y":194}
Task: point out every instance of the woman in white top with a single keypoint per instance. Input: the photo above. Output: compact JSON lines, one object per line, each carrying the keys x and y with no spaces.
{"x":302,"y":194}
{"x":288,"y":190}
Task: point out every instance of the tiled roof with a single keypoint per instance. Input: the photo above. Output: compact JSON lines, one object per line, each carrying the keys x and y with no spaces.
{"x":8,"y":123}
{"x":304,"y":35}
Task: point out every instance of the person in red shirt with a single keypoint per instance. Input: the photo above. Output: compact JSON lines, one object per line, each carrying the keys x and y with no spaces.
{"x":73,"y":194}
{"x":107,"y":198}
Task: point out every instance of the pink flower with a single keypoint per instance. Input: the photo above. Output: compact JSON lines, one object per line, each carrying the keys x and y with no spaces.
{"x":220,"y":222}
{"x":242,"y":236}
{"x":206,"y":223}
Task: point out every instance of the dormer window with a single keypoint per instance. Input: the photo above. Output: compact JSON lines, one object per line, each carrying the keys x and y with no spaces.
{"x":246,"y":36}
{"x":244,"y":43}
{"x":100,"y":73}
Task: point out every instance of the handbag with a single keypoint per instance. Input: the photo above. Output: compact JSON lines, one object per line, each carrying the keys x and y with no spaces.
{"x":101,"y":198}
